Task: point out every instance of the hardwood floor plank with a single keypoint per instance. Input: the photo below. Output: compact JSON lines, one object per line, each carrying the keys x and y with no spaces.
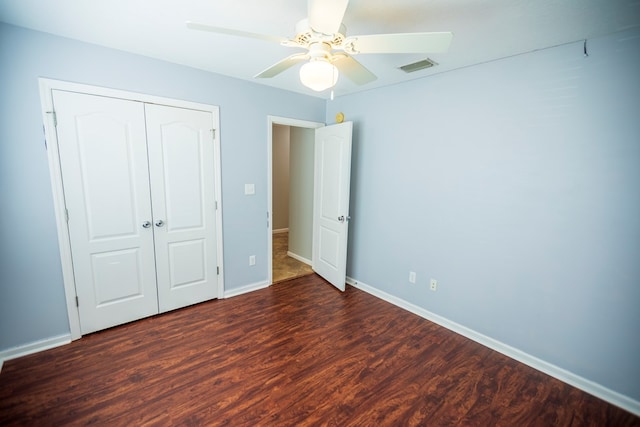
{"x":297,"y":353}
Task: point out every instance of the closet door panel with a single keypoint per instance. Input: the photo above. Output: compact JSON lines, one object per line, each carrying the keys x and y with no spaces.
{"x":103,"y":157}
{"x":183,"y":177}
{"x":181,"y":163}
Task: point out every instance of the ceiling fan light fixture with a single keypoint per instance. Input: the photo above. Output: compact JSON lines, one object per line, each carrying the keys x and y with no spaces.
{"x":318,"y":74}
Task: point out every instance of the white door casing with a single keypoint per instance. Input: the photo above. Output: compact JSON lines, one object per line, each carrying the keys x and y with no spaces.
{"x":331,"y":202}
{"x":285,"y":121}
{"x":103,"y":156}
{"x":181,"y":158}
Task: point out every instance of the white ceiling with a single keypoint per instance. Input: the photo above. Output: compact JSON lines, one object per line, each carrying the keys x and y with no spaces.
{"x":484,"y":30}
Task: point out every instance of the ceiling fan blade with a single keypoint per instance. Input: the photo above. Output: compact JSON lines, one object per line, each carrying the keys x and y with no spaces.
{"x":228,"y":31}
{"x":325,"y":16}
{"x":352,"y":69}
{"x":281,"y":66}
{"x":400,"y":43}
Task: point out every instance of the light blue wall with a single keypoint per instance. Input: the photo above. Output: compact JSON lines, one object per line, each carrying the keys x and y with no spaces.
{"x":32,"y":303}
{"x":515,"y":184}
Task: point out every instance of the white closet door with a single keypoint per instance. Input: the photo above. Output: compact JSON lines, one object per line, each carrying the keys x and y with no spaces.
{"x":181,"y":162}
{"x":103,"y":158}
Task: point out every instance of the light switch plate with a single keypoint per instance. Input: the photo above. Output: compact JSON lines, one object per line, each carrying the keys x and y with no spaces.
{"x":249,"y":189}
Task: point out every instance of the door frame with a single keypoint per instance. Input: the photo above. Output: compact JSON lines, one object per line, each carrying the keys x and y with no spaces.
{"x":55,"y":173}
{"x":284,"y":121}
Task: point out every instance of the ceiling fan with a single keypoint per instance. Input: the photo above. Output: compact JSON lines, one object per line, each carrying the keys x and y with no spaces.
{"x":329,"y":50}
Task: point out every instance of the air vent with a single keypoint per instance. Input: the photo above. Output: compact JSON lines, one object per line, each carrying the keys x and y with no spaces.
{"x":417,"y":66}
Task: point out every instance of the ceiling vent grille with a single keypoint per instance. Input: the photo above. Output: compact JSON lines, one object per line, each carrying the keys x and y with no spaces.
{"x":417,"y":66}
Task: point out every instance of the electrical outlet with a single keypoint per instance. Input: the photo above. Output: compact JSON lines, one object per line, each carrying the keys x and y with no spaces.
{"x":433,"y":285}
{"x":412,"y":277}
{"x":252,"y":260}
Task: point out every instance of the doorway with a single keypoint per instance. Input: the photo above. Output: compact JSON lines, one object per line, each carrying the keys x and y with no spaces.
{"x":290,"y":197}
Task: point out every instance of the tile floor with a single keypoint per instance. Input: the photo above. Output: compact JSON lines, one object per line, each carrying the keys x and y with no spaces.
{"x":285,"y":267}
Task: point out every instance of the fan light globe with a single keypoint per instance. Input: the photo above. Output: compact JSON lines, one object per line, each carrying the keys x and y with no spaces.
{"x":318,"y":75}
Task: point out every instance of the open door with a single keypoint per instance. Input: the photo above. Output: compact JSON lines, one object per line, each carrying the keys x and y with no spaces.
{"x":332,"y":183}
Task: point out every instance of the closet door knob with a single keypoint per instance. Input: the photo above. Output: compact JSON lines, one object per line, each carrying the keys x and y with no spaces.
{"x":146,"y":224}
{"x":159,"y":223}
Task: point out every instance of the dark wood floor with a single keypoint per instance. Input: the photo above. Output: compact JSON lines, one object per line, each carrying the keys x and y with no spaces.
{"x":297,"y":353}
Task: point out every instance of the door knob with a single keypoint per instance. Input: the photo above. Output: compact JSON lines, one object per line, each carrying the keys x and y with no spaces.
{"x":341,"y":218}
{"x":146,"y":224}
{"x":159,"y":223}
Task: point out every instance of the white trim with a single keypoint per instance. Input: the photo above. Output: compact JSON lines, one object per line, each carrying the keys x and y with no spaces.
{"x":281,"y":230}
{"x":285,"y":121}
{"x":34,"y":347}
{"x":52,"y":84}
{"x":561,"y":374}
{"x":218,"y":196}
{"x":299,"y":258}
{"x":55,"y":173}
{"x":246,"y":289}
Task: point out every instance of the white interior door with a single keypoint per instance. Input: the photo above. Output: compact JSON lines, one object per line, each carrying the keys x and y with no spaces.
{"x":103,"y":156}
{"x":181,"y":163}
{"x":331,"y":202}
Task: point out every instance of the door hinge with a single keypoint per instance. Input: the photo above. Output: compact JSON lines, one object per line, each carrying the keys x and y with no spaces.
{"x":218,"y":270}
{"x":216,"y":205}
{"x":55,"y":117}
{"x":66,"y":215}
{"x":213,"y":134}
{"x":77,"y":302}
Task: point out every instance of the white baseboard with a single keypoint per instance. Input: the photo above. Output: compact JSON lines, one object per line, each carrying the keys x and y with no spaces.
{"x":34,"y":347}
{"x":245,"y":289}
{"x":281,"y":230}
{"x":563,"y":375}
{"x":299,"y":258}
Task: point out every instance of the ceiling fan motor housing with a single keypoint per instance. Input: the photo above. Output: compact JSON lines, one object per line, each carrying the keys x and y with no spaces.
{"x":318,"y":50}
{"x":306,"y":36}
